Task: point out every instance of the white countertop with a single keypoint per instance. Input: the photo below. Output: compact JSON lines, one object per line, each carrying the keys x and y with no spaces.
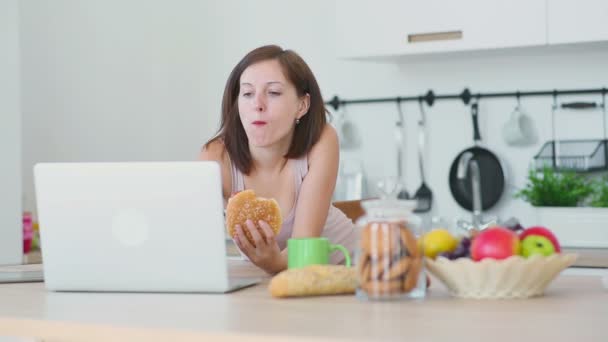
{"x":575,"y":307}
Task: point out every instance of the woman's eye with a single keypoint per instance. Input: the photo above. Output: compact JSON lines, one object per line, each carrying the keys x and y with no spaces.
{"x":275,"y":93}
{"x":246,"y":94}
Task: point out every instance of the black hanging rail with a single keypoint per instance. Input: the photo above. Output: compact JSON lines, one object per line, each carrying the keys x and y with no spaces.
{"x":465,"y":96}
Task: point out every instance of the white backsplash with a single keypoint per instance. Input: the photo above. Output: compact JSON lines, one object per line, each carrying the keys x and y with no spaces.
{"x":94,"y":96}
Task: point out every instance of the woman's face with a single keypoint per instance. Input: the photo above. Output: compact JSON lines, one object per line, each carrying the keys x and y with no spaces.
{"x":268,"y":104}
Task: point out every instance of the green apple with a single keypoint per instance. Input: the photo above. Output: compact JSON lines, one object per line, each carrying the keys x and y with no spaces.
{"x":536,"y":245}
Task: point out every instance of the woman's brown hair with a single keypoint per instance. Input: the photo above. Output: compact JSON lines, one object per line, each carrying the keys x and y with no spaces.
{"x":306,"y":133}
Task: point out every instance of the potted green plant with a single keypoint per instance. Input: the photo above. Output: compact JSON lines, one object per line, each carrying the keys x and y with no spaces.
{"x":600,"y":194}
{"x":555,"y":189}
{"x":572,"y":206}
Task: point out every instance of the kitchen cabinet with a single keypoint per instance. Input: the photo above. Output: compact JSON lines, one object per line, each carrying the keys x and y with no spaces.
{"x":577,"y":21}
{"x":393,"y":27}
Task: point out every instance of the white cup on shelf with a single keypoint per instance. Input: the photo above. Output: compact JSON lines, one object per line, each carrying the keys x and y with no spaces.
{"x":519,"y":129}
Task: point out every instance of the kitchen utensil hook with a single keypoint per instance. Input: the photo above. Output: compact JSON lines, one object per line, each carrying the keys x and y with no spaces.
{"x":518,"y":97}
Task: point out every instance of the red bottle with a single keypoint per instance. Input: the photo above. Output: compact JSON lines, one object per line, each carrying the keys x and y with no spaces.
{"x":28,"y":232}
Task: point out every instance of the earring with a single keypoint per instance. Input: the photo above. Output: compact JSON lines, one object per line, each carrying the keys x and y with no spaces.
{"x":297,"y":121}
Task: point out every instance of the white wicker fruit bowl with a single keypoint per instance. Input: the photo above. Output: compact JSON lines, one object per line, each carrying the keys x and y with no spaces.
{"x":514,"y":277}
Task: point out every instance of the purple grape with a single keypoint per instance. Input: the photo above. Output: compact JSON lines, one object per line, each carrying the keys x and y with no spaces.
{"x":461,"y":251}
{"x":448,"y":255}
{"x":513,"y":224}
{"x":516,"y":227}
{"x":466,"y":242}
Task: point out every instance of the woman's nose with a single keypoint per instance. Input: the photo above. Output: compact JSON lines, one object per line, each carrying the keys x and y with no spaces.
{"x":259,"y":103}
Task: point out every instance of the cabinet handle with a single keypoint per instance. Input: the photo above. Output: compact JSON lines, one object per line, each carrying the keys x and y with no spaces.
{"x":434,"y":36}
{"x":579,"y":105}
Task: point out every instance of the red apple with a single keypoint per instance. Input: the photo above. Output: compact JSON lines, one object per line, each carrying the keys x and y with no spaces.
{"x":544,"y":232}
{"x":496,"y":243}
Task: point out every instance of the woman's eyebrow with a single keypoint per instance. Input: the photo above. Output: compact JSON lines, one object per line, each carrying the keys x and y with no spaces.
{"x":270,"y":82}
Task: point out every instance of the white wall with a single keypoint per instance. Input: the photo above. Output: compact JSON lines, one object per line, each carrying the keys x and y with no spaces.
{"x":10,"y":136}
{"x":117,"y":80}
{"x":113,"y":81}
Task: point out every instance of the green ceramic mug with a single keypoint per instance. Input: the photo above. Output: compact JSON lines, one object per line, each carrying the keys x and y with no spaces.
{"x":302,"y":252}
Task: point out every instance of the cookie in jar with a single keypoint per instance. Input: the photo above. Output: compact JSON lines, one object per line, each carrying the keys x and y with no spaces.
{"x":389,"y":259}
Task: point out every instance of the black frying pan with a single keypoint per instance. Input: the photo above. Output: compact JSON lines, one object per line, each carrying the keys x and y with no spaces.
{"x":492,"y":173}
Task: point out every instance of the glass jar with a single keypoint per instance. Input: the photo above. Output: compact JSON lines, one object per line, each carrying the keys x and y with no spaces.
{"x":389,"y":259}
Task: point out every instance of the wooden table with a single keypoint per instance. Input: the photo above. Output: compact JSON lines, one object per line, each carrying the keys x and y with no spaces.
{"x":589,"y":257}
{"x":575,"y":308}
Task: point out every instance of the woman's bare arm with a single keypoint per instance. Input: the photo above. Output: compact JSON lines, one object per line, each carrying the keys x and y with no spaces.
{"x":318,"y":185}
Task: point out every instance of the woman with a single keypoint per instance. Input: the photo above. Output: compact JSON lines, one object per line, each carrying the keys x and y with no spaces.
{"x":274,"y":138}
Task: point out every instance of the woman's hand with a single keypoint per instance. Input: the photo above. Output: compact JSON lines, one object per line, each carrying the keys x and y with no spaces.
{"x":266,"y":253}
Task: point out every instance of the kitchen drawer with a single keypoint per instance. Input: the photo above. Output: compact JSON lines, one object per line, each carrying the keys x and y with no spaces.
{"x":393,"y":27}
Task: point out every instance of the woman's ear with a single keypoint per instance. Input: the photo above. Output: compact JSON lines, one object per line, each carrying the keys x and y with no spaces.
{"x":304,"y":105}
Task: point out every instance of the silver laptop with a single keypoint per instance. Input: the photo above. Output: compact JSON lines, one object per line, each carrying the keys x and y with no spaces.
{"x":135,"y":227}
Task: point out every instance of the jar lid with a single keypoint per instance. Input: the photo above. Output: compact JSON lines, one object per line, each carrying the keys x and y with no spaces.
{"x":389,"y":207}
{"x":389,"y":203}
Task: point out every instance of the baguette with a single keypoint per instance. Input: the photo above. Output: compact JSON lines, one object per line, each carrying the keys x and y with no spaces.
{"x":314,"y":280}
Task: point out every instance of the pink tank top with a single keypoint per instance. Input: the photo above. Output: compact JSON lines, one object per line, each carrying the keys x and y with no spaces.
{"x":338,"y":228}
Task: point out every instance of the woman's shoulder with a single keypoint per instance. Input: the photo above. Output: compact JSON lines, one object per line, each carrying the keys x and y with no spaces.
{"x":328,"y":143}
{"x":214,"y":150}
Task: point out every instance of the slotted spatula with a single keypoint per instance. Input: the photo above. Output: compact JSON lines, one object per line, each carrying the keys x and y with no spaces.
{"x":423,"y":195}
